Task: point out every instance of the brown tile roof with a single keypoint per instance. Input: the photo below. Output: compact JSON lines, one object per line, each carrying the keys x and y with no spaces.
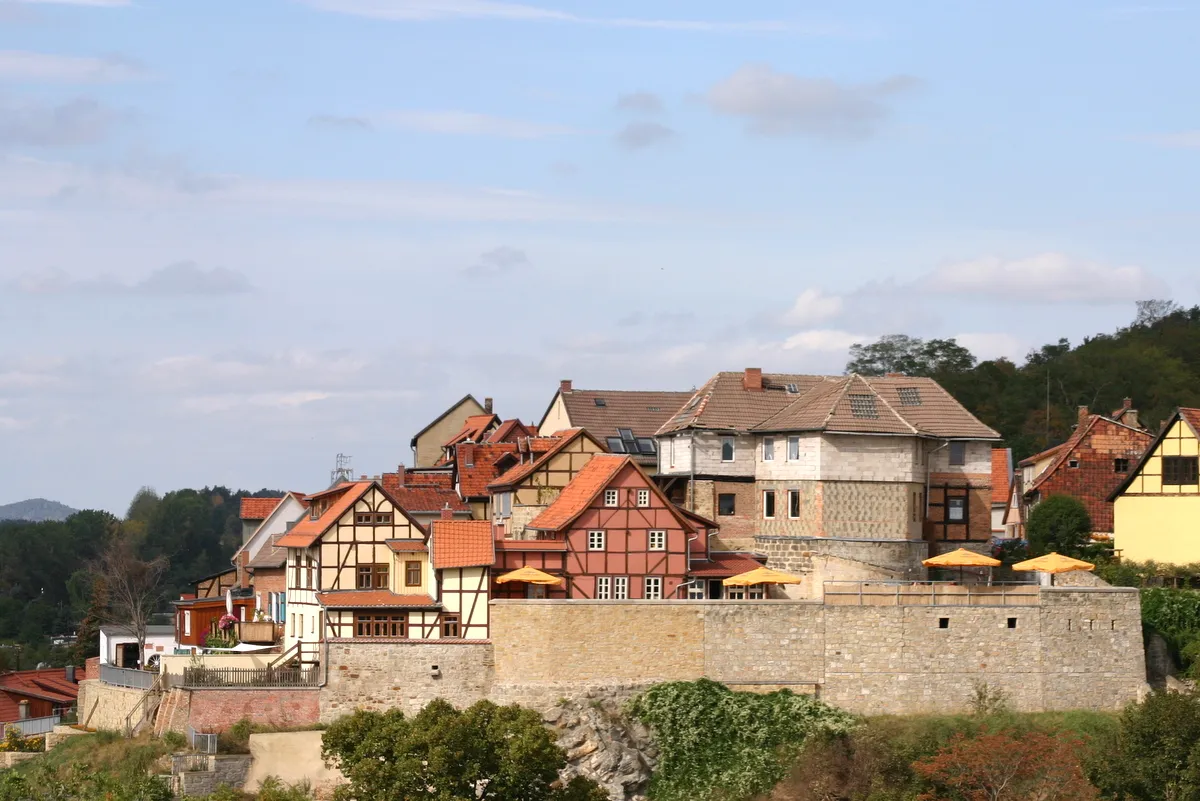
{"x":428,"y":500}
{"x":531,"y":545}
{"x":520,"y":472}
{"x":1030,"y":461}
{"x":724,"y":404}
{"x":473,"y":479}
{"x":575,"y":498}
{"x":723,"y":564}
{"x":845,"y":404}
{"x":642,"y":412}
{"x":475,"y":429}
{"x":1192,"y":416}
{"x":407,"y":546}
{"x":1001,"y":474}
{"x":462,"y":543}
{"x":510,"y":431}
{"x":938,"y":413}
{"x":383,"y":599}
{"x":308,"y":531}
{"x":258,"y":508}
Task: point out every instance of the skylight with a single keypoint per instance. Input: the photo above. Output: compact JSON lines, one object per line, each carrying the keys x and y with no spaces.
{"x":600,"y":401}
{"x":863,"y":407}
{"x":909,"y":396}
{"x":616,"y":445}
{"x":793,"y":389}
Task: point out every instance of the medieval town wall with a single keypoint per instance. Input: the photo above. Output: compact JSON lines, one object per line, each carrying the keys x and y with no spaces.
{"x":818,"y":559}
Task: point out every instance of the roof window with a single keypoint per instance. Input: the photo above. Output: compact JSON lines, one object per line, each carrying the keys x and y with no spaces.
{"x":909,"y":396}
{"x":863,"y":407}
{"x":793,"y":389}
{"x":601,"y":402}
{"x":616,"y":445}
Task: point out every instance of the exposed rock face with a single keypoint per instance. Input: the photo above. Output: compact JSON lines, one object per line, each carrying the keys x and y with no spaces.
{"x":603,"y":744}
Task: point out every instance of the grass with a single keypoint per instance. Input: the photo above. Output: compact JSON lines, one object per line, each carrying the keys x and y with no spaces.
{"x":103,"y":751}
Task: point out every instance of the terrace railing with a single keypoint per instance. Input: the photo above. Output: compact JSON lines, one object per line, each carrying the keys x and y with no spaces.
{"x":31,"y":727}
{"x":284,"y":677}
{"x":928,"y":593}
{"x":126,"y":677}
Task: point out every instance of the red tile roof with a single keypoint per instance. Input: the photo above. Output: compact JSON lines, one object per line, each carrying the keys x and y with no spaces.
{"x":578,"y":495}
{"x":356,"y":599}
{"x":462,"y":543}
{"x":1001,"y":474}
{"x":44,"y":685}
{"x":1030,"y":461}
{"x":473,"y":479}
{"x":641,"y":412}
{"x":408,"y":546}
{"x":723,"y":564}
{"x":531,"y":545}
{"x":474,"y":429}
{"x":308,"y":531}
{"x":258,"y":508}
{"x":428,"y":500}
{"x":510,"y":431}
{"x":1192,"y":416}
{"x":519,"y":473}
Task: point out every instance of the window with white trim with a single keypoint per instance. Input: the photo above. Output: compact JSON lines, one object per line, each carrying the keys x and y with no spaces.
{"x":611,"y":497}
{"x":595,"y":540}
{"x":504,"y":502}
{"x":768,"y":504}
{"x":643,"y":498}
{"x":956,"y":510}
{"x":603,"y":588}
{"x":755,"y":592}
{"x":620,"y":588}
{"x":657,"y":540}
{"x":653,"y":589}
{"x":793,"y":503}
{"x":696,"y":591}
{"x":735,"y":593}
{"x":727,"y":449}
{"x":187,"y":622}
{"x":768,"y":449}
{"x":793,"y":449}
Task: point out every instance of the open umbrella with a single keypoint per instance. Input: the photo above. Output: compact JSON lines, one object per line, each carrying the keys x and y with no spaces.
{"x":1053,"y":563}
{"x":962,"y":558}
{"x":761,"y":575}
{"x":529,"y":575}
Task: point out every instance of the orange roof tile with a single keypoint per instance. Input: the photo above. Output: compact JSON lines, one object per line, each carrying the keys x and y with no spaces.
{"x":519,"y":472}
{"x":1192,"y":416}
{"x":356,"y":599}
{"x":408,"y":546}
{"x":474,"y":429}
{"x":509,"y":431}
{"x":1030,"y":461}
{"x":258,"y":508}
{"x":462,"y":543}
{"x":1001,"y":474}
{"x":473,"y":479}
{"x":575,"y":498}
{"x":308,"y":531}
{"x":428,"y":500}
{"x":722,"y":564}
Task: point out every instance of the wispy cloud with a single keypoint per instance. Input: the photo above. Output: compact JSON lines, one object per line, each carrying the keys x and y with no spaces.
{"x":640,"y":103}
{"x":467,"y":123}
{"x":444,"y":10}
{"x":340,"y":123}
{"x":1044,"y":278}
{"x":25,"y":65}
{"x":82,"y":121}
{"x":779,"y":104}
{"x":1188,"y":140}
{"x":641,"y":135}
{"x":93,"y":3}
{"x":813,"y":306}
{"x":181,"y":279}
{"x":499,"y":261}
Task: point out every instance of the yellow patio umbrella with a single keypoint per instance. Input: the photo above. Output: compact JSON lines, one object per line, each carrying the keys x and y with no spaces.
{"x":761,"y":575}
{"x":529,"y":575}
{"x":1053,"y":563}
{"x":962,"y":558}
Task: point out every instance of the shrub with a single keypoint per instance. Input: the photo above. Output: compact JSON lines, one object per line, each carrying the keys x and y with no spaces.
{"x":272,"y":789}
{"x":1156,"y":754}
{"x":13,"y":741}
{"x":174,"y":741}
{"x":1003,"y":767}
{"x":1059,"y":523}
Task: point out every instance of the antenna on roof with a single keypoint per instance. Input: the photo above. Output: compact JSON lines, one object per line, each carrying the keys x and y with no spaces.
{"x":342,"y":471}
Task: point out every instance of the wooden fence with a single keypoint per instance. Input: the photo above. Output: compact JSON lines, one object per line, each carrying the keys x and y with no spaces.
{"x":194,"y":677}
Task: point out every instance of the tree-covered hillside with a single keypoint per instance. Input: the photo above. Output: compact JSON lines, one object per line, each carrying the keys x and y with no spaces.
{"x":1155,"y":361}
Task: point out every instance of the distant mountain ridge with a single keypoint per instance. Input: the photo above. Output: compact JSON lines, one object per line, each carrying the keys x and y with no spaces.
{"x":36,"y":510}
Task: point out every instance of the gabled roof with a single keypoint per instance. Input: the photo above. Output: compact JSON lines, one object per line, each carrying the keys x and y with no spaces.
{"x":724,"y":404}
{"x":1187,"y":415}
{"x":473,"y":479}
{"x":308,"y":531}
{"x":428,"y":500}
{"x":835,"y":405}
{"x":443,"y":415}
{"x":462,"y":543}
{"x":1001,"y":474}
{"x":603,"y":411}
{"x":475,"y":429}
{"x":269,"y":554}
{"x":1064,"y":451}
{"x":510,"y":431}
{"x":43,"y":685}
{"x":520,"y":472}
{"x":258,"y":508}
{"x":722,"y":564}
{"x":1030,"y":461}
{"x":380,"y":599}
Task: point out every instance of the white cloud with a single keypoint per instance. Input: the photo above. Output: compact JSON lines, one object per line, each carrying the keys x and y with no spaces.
{"x":444,"y":10}
{"x":813,"y":307}
{"x":92,"y":3}
{"x":823,"y":340}
{"x":640,"y":103}
{"x":1187,"y":140}
{"x":499,"y":261}
{"x":1044,"y":278}
{"x":641,"y":135}
{"x":994,"y":345}
{"x":181,"y":278}
{"x":23,"y":65}
{"x":779,"y":104}
{"x":467,"y":123}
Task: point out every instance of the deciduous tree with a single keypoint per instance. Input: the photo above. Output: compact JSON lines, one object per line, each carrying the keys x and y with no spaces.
{"x":1061,"y":524}
{"x":133,"y":587}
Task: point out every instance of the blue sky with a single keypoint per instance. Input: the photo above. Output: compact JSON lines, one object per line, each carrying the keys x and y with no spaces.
{"x":238,"y":238}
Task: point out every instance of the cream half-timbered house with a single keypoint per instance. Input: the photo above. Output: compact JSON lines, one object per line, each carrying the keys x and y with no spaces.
{"x":463,"y":552}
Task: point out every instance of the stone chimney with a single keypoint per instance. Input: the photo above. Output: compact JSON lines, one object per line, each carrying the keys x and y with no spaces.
{"x":487,"y":405}
{"x":752,"y":379}
{"x":564,"y":386}
{"x":466,"y":453}
{"x":447,"y":512}
{"x":22,"y":710}
{"x":400,"y":475}
{"x":1083,"y":414}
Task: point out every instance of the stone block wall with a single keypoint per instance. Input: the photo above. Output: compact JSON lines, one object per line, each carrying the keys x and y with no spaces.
{"x":749,"y":642}
{"x":225,"y":770}
{"x":819,"y":559}
{"x":366,"y":675}
{"x":102,"y":706}
{"x":869,"y":510}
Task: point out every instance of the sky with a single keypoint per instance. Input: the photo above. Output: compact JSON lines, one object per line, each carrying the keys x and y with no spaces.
{"x":238,"y":238}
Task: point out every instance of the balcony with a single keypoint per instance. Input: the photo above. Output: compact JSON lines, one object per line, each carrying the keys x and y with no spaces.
{"x":262,"y":632}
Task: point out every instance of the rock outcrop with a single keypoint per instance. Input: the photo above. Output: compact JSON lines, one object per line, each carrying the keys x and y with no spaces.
{"x":603,"y":743}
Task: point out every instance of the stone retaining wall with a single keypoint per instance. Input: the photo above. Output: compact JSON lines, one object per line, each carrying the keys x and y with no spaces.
{"x":820,"y":558}
{"x":104,"y":707}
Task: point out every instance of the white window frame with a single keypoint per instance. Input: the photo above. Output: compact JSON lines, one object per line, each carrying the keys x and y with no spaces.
{"x":620,"y":588}
{"x":756,"y":592}
{"x":793,"y":447}
{"x":732,"y":449}
{"x":187,"y":622}
{"x":735,"y":593}
{"x":656,"y":540}
{"x":652,"y":588}
{"x":504,"y":501}
{"x":793,"y":493}
{"x":962,"y":518}
{"x":603,"y":588}
{"x":774,"y":511}
{"x":643,"y":498}
{"x":695,"y":591}
{"x":611,"y":497}
{"x":672,"y":458}
{"x":768,"y":449}
{"x":597,"y":541}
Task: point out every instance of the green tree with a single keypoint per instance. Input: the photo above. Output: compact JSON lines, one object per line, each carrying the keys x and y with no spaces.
{"x":1156,"y":754}
{"x":444,"y":754}
{"x":1060,"y":523}
{"x":898,"y":353}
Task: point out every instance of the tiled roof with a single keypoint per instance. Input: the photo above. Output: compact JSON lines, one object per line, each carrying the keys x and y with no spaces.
{"x":531,"y":545}
{"x":575,"y":498}
{"x":518,"y":473}
{"x":427,"y":500}
{"x":1001,"y":474}
{"x":1192,"y":416}
{"x":408,"y":546}
{"x":443,"y":415}
{"x":258,"y":508}
{"x":44,"y":685}
{"x":269,"y":556}
{"x":473,"y":479}
{"x":722,"y":564}
{"x":868,"y":404}
{"x":1082,"y":431}
{"x":1030,"y":461}
{"x":462,"y":543}
{"x":308,"y":531}
{"x":642,"y":412}
{"x":510,"y":431}
{"x":380,"y":599}
{"x":474,"y":429}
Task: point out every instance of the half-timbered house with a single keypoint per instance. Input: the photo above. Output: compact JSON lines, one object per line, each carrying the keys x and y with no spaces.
{"x":463,"y":555}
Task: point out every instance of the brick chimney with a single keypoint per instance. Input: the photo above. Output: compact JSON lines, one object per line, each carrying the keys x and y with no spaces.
{"x":1128,"y":415}
{"x":487,"y":405}
{"x":564,"y":386}
{"x":447,"y":512}
{"x":1083,"y":414}
{"x":243,"y":570}
{"x":466,"y":453}
{"x":752,"y":379}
